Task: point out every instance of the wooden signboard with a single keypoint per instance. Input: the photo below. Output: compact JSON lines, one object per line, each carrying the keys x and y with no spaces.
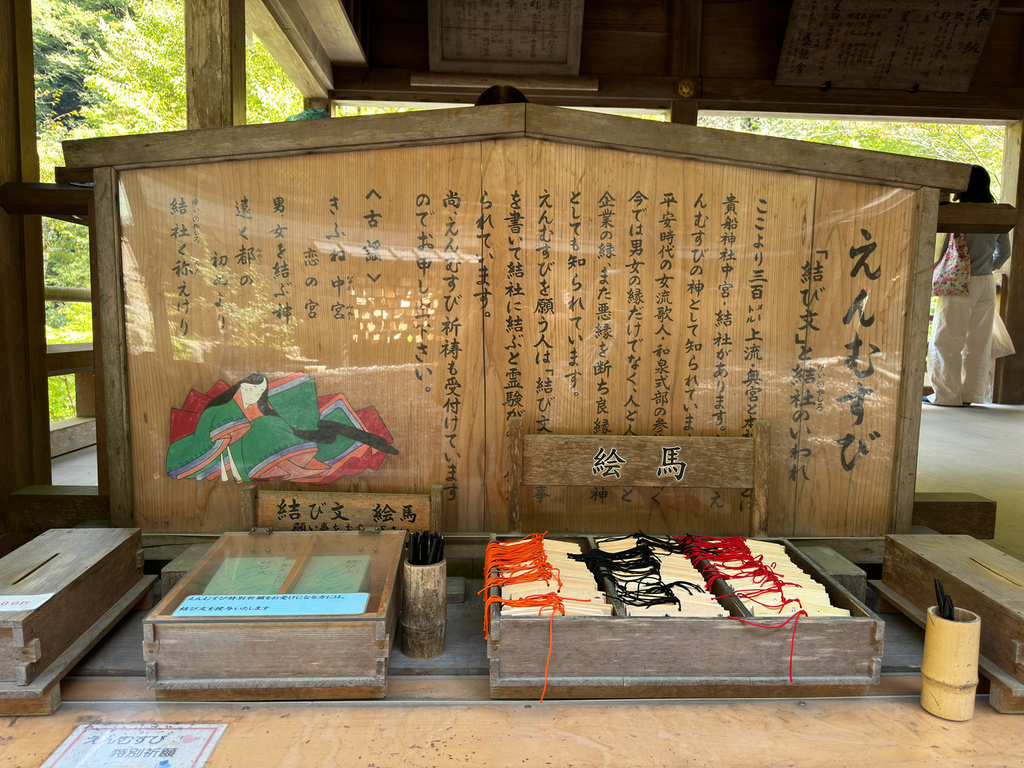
{"x":370,"y":320}
{"x":478,"y":36}
{"x":928,"y":46}
{"x":312,"y":511}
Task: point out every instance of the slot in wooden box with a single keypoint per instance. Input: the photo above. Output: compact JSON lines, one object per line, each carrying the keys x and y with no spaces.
{"x":86,"y":570}
{"x":634,"y":657}
{"x":977,"y":576}
{"x":322,"y":656}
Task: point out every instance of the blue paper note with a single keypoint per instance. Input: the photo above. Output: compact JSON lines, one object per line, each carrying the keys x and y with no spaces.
{"x":216,"y":606}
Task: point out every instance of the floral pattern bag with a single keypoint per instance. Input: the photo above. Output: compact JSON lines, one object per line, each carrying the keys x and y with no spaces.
{"x":952,"y":273}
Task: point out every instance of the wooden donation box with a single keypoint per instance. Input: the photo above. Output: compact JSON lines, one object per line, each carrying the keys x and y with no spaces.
{"x":279,"y":616}
{"x":366,"y":303}
{"x":55,"y":588}
{"x":980,"y":579}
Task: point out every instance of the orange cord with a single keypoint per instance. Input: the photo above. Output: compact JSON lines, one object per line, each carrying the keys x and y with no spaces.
{"x":519,"y":562}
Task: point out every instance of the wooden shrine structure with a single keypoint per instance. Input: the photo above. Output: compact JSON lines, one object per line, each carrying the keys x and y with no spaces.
{"x":957,"y":61}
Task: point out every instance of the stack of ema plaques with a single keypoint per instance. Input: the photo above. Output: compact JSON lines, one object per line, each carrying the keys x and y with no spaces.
{"x":573,"y":590}
{"x":799,"y":590}
{"x":673,"y":571}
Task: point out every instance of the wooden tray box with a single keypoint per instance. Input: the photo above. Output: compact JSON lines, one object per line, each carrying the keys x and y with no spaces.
{"x":278,"y":657}
{"x":87,"y":570}
{"x":631,"y":657}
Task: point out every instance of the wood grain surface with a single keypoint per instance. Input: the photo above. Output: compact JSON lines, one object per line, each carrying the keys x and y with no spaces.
{"x":588,"y":290}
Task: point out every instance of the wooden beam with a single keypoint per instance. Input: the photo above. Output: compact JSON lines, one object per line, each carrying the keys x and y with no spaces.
{"x":967,"y":514}
{"x":713,"y":94}
{"x":1011,"y":384}
{"x":25,"y":419}
{"x":684,"y":50}
{"x":752,"y":95}
{"x":478,"y":82}
{"x":215,"y":62}
{"x":976,"y":217}
{"x":39,"y":508}
{"x":57,"y":201}
{"x":216,"y":144}
{"x":337,"y":31}
{"x":68,"y":358}
{"x":292,"y":40}
{"x":684,"y":112}
{"x":512,"y":121}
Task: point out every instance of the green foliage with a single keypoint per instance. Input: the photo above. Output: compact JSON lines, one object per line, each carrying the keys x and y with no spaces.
{"x":270,"y":96}
{"x":62,"y":31}
{"x":75,"y":328}
{"x":61,"y":391}
{"x":975,"y":144}
{"x":136,"y":68}
{"x":110,"y":67}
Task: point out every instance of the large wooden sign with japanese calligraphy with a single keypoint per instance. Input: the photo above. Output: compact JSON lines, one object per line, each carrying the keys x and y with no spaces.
{"x":417,"y":298}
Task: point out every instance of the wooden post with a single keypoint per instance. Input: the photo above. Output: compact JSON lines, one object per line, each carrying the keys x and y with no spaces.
{"x":96,"y":387}
{"x":215,"y":62}
{"x":105,"y":213}
{"x":684,"y":63}
{"x":912,"y":375}
{"x":315,"y":103}
{"x":1011,"y":384}
{"x":25,"y":419}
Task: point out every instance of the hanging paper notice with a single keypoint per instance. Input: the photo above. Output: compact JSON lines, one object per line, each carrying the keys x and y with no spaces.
{"x":214,"y":606}
{"x":137,"y":746}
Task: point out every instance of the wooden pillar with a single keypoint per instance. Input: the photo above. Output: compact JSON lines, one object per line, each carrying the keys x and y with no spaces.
{"x":24,"y":418}
{"x":215,"y":62}
{"x":1011,"y":390}
{"x":316,"y":103}
{"x":685,"y":59}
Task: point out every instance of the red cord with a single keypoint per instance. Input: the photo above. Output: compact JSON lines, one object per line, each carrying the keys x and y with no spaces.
{"x":795,"y":618}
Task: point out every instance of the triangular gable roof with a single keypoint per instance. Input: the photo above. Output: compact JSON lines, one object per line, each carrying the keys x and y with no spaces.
{"x":510,"y":121}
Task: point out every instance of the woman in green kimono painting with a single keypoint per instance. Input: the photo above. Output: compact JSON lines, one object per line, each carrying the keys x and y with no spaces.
{"x":275,"y":430}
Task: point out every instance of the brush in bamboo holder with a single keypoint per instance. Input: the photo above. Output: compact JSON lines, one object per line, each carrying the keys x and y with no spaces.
{"x":424,"y":609}
{"x":949,"y":672}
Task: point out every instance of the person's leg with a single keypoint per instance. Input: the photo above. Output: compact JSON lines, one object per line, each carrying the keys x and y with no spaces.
{"x":977,"y":354}
{"x":945,"y":348}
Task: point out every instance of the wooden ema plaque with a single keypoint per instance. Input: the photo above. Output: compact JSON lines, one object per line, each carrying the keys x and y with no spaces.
{"x":370,"y":320}
{"x":629,"y":656}
{"x":81,"y":573}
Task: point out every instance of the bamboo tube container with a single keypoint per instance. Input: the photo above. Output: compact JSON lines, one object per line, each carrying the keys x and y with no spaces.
{"x":424,"y":609}
{"x":949,"y":672}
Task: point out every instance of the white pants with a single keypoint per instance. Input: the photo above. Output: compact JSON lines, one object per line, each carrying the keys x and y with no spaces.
{"x":960,"y":348}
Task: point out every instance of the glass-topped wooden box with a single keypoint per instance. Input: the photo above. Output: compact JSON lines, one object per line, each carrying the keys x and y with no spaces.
{"x":279,"y":616}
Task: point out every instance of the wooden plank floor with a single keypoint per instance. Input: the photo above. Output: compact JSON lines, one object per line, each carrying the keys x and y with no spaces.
{"x":438,"y":713}
{"x":889,"y":731}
